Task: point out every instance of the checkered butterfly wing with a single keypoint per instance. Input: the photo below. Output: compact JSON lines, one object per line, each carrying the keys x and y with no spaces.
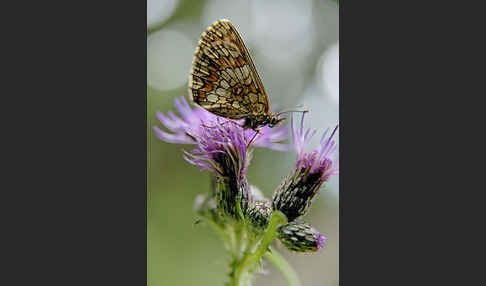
{"x":224,"y":79}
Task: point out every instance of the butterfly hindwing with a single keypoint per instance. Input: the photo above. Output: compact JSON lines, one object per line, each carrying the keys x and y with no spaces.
{"x":224,"y":79}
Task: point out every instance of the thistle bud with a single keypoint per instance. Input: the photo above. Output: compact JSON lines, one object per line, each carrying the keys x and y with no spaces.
{"x":258,"y":215}
{"x":312,"y":170}
{"x":294,"y":196}
{"x":300,"y":237}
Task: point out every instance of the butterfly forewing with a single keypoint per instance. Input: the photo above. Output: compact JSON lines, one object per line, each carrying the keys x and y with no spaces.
{"x":224,"y":79}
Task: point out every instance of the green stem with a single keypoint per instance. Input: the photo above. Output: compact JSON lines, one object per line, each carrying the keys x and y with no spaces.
{"x":284,"y":267}
{"x":276,"y":220}
{"x":239,"y":237}
{"x":249,"y":259}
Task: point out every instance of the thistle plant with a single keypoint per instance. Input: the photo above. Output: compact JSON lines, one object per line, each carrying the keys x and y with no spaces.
{"x":246,"y":220}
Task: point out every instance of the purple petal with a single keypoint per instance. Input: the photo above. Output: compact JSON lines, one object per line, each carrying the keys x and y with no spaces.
{"x":171,"y":138}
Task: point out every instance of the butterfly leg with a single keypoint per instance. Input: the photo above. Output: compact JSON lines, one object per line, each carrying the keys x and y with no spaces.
{"x":204,"y":125}
{"x":257,"y":131}
{"x":228,"y":121}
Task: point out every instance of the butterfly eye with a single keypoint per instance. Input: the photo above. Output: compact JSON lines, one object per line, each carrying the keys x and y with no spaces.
{"x":274,"y":121}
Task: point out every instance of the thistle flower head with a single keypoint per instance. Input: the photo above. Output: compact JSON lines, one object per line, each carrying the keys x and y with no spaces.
{"x":300,"y":237}
{"x":322,"y":160}
{"x":220,"y":148}
{"x":190,"y":126}
{"x":294,"y":196}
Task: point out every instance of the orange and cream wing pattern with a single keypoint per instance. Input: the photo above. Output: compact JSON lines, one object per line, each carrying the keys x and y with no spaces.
{"x":224,"y":79}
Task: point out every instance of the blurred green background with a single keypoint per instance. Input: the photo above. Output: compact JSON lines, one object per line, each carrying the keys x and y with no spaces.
{"x":294,"y":45}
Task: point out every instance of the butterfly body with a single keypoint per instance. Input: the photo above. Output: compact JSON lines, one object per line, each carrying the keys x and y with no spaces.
{"x":224,"y":79}
{"x":256,"y":121}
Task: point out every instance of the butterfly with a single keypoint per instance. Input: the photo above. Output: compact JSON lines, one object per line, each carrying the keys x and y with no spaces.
{"x":224,"y":80}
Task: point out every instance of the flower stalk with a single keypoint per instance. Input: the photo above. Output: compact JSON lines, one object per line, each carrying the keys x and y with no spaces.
{"x":283,"y":266}
{"x":251,"y":258}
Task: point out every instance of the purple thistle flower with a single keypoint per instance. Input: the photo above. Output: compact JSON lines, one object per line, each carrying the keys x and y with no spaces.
{"x":222,"y":148}
{"x":294,"y":196}
{"x":190,"y":126}
{"x":323,"y":160}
